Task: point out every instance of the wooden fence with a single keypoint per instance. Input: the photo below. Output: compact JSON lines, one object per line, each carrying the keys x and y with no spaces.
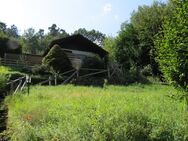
{"x":18,"y":84}
{"x":16,"y":63}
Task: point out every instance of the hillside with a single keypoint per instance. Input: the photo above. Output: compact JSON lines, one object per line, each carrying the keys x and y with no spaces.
{"x":137,"y":112}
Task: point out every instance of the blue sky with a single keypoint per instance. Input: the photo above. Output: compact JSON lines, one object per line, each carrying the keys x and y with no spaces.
{"x":103,"y":15}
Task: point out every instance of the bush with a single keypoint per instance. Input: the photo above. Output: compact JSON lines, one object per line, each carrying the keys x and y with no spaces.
{"x":40,"y":70}
{"x":128,"y":77}
{"x":3,"y":80}
{"x":147,"y":71}
{"x":56,"y":60}
{"x":4,"y":46}
{"x":89,"y":81}
{"x":36,"y":79}
{"x":93,"y":63}
{"x":172,"y":46}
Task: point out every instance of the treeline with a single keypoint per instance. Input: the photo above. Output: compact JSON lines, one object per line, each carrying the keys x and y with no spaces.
{"x":154,"y":42}
{"x":36,"y":42}
{"x":134,"y":47}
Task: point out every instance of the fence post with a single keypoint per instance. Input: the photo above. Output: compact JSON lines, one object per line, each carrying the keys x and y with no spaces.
{"x":77,"y":73}
{"x":50,"y":78}
{"x":11,"y":87}
{"x":55,"y":79}
{"x":28,"y":80}
{"x":5,"y":58}
{"x":108,"y":71}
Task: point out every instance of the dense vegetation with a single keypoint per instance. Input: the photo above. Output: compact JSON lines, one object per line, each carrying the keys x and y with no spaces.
{"x":172,"y":45}
{"x":7,"y":74}
{"x":135,"y":113}
{"x":155,"y":43}
{"x":134,"y":46}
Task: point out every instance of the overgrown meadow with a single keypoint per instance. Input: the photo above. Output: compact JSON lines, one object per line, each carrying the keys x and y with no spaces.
{"x":70,"y":113}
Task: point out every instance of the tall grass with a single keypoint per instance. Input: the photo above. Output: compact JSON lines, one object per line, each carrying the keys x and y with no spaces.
{"x":3,"y":77}
{"x":132,"y":113}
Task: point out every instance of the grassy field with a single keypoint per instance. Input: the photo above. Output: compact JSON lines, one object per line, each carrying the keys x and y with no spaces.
{"x":69,"y":113}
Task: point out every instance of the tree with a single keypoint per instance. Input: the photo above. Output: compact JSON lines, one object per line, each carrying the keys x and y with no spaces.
{"x":56,"y":60}
{"x":3,"y":27}
{"x":3,"y":43}
{"x":172,"y":44}
{"x":93,"y":35}
{"x":40,"y":33}
{"x":54,"y":30}
{"x":29,"y":42}
{"x":41,"y":40}
{"x":110,"y":46}
{"x":127,"y":50}
{"x":54,"y":33}
{"x":13,"y":31}
{"x":147,"y":22}
{"x":8,"y":46}
{"x":63,"y":33}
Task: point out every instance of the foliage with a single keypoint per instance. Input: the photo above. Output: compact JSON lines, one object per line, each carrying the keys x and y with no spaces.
{"x":172,"y":45}
{"x":3,"y":27}
{"x":3,"y":80}
{"x":93,"y":35}
{"x":134,"y":45}
{"x":13,"y":31}
{"x":148,"y":21}
{"x":4,"y":69}
{"x":93,"y":63}
{"x":110,"y":46}
{"x":127,"y":49}
{"x":135,"y":113}
{"x":29,"y":41}
{"x":97,"y":81}
{"x":6,"y":43}
{"x":56,"y":31}
{"x":147,"y":71}
{"x":40,"y":70}
{"x":56,"y":60}
{"x":11,"y":73}
{"x":7,"y":74}
{"x":3,"y":41}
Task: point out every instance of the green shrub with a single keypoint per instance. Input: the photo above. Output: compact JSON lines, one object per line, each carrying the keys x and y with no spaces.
{"x":93,"y":63}
{"x":172,"y":45}
{"x":56,"y":60}
{"x":40,"y":70}
{"x":89,"y":81}
{"x":3,"y":80}
{"x":147,"y":71}
{"x":128,"y":77}
{"x":4,"y":47}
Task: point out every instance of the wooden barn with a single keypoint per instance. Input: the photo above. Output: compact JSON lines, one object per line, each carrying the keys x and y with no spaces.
{"x":77,"y":47}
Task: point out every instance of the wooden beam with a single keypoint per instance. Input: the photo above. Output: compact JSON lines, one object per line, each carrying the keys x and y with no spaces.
{"x":69,"y":78}
{"x":93,"y":74}
{"x":92,"y":69}
{"x":68,"y":72}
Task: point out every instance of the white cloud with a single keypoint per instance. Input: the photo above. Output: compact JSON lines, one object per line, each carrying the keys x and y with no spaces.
{"x":107,"y":8}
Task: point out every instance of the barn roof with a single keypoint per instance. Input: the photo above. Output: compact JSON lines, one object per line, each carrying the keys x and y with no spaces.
{"x":78,"y":42}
